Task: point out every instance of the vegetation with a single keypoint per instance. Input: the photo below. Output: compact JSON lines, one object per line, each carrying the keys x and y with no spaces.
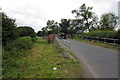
{"x":86,"y":17}
{"x":0,"y":28}
{"x":108,"y":21}
{"x":15,"y":50}
{"x":85,"y":21}
{"x":8,"y":29}
{"x":103,"y":34}
{"x":105,"y":45}
{"x":26,"y":31}
{"x":39,"y":63}
{"x":19,"y":44}
{"x":24,"y":57}
{"x":87,"y":24}
{"x":40,"y":33}
{"x":117,"y":35}
{"x":53,"y":26}
{"x":14,"y":45}
{"x":65,"y":24}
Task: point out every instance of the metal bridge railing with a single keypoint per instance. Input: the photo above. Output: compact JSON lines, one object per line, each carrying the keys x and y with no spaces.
{"x":99,"y":39}
{"x":64,"y":43}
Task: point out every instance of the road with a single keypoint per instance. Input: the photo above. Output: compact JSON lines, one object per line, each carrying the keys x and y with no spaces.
{"x":101,"y":62}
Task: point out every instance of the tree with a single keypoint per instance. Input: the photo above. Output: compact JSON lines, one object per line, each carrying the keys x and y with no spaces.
{"x":8,"y":29}
{"x":65,"y":24}
{"x":53,"y":26}
{"x":77,"y":25}
{"x":26,"y":31}
{"x":44,"y":31}
{"x":84,"y":14}
{"x":39,"y":33}
{"x":94,"y":22}
{"x":108,"y":21}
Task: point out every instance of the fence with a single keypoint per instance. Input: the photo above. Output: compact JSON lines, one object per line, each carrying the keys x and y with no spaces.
{"x":99,"y":39}
{"x":64,"y":43}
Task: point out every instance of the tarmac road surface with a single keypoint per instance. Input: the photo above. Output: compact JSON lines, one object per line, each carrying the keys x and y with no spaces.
{"x":102,"y":62}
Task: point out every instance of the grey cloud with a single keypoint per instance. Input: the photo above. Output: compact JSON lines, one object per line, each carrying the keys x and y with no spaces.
{"x":35,"y":13}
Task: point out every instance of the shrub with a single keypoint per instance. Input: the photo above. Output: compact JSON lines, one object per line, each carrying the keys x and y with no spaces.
{"x":34,"y":39}
{"x":8,"y":29}
{"x":24,"y":43}
{"x":101,"y":33}
{"x":117,"y":35}
{"x":21,"y":43}
{"x":15,"y":48}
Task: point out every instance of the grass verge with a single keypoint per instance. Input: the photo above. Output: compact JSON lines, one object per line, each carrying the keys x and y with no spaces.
{"x":105,"y":45}
{"x":41,"y":60}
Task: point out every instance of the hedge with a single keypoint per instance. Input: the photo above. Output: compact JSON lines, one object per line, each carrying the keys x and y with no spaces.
{"x":104,"y":34}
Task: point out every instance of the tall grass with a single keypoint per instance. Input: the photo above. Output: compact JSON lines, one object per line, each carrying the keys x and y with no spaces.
{"x":14,"y":50}
{"x":40,"y":62}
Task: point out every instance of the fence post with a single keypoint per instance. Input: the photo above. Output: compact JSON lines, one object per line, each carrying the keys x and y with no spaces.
{"x":114,"y":41}
{"x":69,"y":47}
{"x":97,"y":39}
{"x":104,"y":40}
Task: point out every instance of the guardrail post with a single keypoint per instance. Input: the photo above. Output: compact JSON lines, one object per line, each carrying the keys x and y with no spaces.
{"x":104,"y":40}
{"x":100,"y":39}
{"x":65,"y":43}
{"x":114,"y":42}
{"x":69,"y":47}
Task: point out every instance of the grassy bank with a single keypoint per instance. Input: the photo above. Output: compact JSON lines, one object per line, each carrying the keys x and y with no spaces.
{"x":105,"y":45}
{"x":41,"y":60}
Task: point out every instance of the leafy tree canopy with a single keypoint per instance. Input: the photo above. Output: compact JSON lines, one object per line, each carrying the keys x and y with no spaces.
{"x":8,"y":29}
{"x":64,"y":24}
{"x":108,"y":21}
{"x":85,"y":14}
{"x":26,"y":31}
{"x":52,"y":26}
{"x":40,"y":33}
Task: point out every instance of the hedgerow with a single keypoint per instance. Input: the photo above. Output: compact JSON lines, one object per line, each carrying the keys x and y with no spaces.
{"x":104,"y":34}
{"x":15,"y":50}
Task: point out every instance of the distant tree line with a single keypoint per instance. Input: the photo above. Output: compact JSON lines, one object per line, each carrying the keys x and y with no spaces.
{"x":85,"y":21}
{"x":25,"y":31}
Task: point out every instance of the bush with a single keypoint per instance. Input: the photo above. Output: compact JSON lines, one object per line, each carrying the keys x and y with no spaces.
{"x":14,"y":50}
{"x":34,"y":39}
{"x":8,"y":29}
{"x":101,"y":33}
{"x":22,"y":43}
{"x":117,"y":35}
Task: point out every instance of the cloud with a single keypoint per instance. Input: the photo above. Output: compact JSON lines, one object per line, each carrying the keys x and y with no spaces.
{"x":35,"y":13}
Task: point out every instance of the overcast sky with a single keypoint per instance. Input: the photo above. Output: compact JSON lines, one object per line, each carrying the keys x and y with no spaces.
{"x":35,"y":13}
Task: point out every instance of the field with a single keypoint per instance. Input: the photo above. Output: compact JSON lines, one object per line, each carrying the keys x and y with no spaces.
{"x":44,"y":61}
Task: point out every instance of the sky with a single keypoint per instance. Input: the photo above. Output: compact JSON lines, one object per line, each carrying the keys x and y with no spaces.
{"x":35,"y":13}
